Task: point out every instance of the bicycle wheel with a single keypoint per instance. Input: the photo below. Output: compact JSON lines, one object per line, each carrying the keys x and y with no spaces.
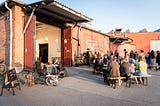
{"x":51,"y":82}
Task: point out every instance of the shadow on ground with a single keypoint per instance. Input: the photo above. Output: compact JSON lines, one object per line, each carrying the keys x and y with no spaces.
{"x":84,"y":73}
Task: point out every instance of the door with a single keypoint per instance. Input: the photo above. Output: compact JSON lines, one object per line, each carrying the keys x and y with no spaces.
{"x":66,"y":47}
{"x":29,"y":42}
{"x":43,"y":53}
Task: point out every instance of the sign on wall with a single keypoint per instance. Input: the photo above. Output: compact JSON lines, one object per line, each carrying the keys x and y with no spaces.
{"x":155,"y":45}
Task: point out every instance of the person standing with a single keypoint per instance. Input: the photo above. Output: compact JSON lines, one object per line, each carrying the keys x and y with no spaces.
{"x":152,"y":58}
{"x":142,"y":54}
{"x":116,"y":54}
{"x":125,"y":53}
{"x":135,"y":56}
{"x":88,"y":57}
{"x":158,"y":59}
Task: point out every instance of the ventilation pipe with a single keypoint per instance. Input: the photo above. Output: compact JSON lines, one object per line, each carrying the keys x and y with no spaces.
{"x":11,"y":35}
{"x":29,"y":20}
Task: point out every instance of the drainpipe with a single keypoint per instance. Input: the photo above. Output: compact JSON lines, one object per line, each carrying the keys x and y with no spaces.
{"x":11,"y":36}
{"x":79,"y":31}
{"x":71,"y":63}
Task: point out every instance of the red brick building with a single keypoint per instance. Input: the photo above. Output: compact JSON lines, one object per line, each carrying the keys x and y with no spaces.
{"x":137,"y":41}
{"x":50,"y":29}
{"x":41,"y":30}
{"x":83,"y":38}
{"x":143,"y":40}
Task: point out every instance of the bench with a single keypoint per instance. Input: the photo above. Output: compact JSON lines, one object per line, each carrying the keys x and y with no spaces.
{"x":113,"y":80}
{"x":154,"y":67}
{"x":144,"y":79}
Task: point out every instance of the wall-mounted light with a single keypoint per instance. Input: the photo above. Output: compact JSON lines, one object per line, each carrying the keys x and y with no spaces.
{"x":65,"y":40}
{"x":56,"y":40}
{"x":46,"y":38}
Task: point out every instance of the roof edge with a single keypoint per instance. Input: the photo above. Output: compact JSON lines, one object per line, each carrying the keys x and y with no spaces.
{"x":72,"y":11}
{"x":11,"y":3}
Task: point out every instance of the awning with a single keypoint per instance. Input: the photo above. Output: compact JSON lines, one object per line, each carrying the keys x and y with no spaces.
{"x":117,"y":40}
{"x":50,"y":12}
{"x":55,"y":12}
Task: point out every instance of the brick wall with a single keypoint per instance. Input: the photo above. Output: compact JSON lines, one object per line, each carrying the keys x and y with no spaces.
{"x":17,"y":48}
{"x":87,"y":35}
{"x":4,"y":37}
{"x":18,"y":42}
{"x":142,"y":40}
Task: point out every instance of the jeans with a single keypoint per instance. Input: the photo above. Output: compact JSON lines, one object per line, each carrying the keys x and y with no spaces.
{"x":137,"y":73}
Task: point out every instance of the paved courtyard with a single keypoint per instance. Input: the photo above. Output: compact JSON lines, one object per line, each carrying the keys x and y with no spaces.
{"x":82,"y":88}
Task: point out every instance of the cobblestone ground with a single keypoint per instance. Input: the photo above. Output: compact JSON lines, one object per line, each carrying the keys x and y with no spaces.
{"x":82,"y":88}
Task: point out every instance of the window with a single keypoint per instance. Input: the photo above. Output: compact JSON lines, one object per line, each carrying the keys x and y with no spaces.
{"x":91,"y":44}
{"x":155,"y":45}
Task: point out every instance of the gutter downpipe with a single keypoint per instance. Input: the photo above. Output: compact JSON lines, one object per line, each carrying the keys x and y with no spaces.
{"x":11,"y":35}
{"x":79,"y":31}
{"x":71,"y":63}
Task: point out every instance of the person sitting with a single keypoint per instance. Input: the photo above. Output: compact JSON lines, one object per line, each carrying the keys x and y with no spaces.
{"x":141,"y":68}
{"x":125,"y":69}
{"x":113,"y":68}
{"x":40,"y":68}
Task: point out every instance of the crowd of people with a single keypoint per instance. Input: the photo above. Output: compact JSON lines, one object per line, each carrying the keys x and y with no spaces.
{"x":114,"y":65}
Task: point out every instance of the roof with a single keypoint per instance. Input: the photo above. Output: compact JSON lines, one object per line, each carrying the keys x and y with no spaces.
{"x":158,"y":30}
{"x":11,"y":3}
{"x":143,"y":30}
{"x":50,"y":11}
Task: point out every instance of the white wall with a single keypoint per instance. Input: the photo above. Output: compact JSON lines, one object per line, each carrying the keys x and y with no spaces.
{"x":51,"y":35}
{"x":155,"y":45}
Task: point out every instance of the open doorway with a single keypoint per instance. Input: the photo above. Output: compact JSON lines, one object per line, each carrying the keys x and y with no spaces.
{"x":43,"y":53}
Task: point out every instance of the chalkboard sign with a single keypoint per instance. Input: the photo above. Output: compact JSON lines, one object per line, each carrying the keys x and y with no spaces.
{"x":9,"y":77}
{"x":12,"y":75}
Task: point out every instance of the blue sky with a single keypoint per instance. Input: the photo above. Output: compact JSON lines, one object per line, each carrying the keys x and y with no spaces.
{"x":110,"y":14}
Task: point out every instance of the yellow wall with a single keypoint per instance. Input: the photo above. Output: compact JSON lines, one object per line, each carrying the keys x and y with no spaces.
{"x":52,"y":36}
